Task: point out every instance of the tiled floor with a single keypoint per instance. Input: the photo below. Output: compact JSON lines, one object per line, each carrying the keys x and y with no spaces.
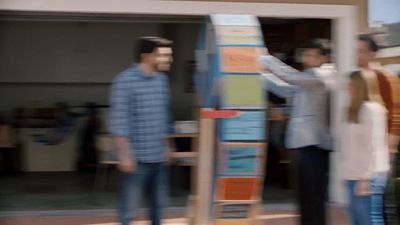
{"x":337,"y":217}
{"x":62,"y":191}
{"x":75,"y":191}
{"x":70,"y":199}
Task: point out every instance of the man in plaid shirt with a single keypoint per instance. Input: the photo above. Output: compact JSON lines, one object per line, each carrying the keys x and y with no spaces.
{"x":139,"y":108}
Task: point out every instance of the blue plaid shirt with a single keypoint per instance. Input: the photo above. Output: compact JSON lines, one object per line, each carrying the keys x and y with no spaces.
{"x":139,"y":109}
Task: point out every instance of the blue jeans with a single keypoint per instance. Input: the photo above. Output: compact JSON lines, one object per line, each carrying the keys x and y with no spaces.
{"x":149,"y":178}
{"x":359,"y":206}
{"x":378,"y":185}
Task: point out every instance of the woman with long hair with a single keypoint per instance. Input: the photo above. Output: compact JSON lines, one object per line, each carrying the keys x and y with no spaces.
{"x":366,"y":153}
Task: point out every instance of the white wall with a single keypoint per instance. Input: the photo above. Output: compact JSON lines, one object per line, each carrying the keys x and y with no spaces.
{"x":82,"y":57}
{"x":13,"y":96}
{"x":185,"y":39}
{"x":42,"y":63}
{"x":67,"y":51}
{"x":64,"y":52}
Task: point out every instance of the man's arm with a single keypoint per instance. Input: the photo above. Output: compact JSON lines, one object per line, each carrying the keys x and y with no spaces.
{"x":287,"y":73}
{"x":394,"y":140}
{"x":119,"y":121}
{"x":169,"y":119}
{"x":278,"y":86}
{"x":389,"y":86}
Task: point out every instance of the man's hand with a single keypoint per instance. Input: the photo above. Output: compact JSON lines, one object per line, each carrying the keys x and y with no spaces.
{"x":170,"y":159}
{"x":363,"y":188}
{"x":127,"y":162}
{"x":127,"y":165}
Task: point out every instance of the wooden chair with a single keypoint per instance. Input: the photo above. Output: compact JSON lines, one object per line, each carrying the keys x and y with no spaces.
{"x":107,"y":159}
{"x":7,"y":148}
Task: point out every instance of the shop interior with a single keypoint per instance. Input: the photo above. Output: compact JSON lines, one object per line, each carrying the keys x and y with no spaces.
{"x":55,"y":74}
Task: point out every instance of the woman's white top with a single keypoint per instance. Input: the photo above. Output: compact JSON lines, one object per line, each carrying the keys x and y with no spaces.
{"x":365,"y":144}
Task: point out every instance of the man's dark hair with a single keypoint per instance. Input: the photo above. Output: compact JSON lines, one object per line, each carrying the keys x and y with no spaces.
{"x":149,"y":44}
{"x":370,"y":41}
{"x":322,"y":45}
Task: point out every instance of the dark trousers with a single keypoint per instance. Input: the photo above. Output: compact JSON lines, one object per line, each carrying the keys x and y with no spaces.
{"x":391,"y":199}
{"x":312,"y":175}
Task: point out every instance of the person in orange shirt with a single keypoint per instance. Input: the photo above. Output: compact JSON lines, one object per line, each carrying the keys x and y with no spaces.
{"x":389,"y":86}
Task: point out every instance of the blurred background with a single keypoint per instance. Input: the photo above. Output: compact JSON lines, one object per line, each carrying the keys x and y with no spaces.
{"x":55,"y":73}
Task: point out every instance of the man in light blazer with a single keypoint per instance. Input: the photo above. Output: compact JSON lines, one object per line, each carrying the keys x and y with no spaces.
{"x":308,"y":131}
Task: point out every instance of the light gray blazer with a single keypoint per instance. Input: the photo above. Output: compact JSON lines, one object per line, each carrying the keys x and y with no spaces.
{"x":309,"y":122}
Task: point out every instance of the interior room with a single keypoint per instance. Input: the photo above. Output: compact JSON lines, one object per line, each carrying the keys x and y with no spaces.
{"x":55,"y":74}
